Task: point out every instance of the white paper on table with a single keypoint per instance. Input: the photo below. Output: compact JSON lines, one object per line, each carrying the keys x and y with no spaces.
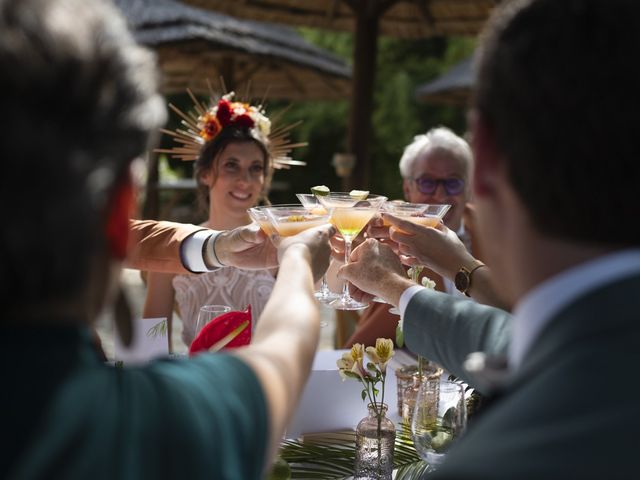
{"x":330,"y":404}
{"x":149,"y":341}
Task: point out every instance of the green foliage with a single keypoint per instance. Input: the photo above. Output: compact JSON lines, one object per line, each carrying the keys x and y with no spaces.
{"x":402,"y":65}
{"x":334,"y":457}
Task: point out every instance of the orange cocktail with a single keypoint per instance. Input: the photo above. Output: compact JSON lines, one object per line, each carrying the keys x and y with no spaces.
{"x":294,"y":224}
{"x":259,"y":215}
{"x":291,"y":219}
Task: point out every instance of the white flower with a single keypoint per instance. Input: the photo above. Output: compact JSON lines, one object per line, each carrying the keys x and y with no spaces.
{"x":381,"y":353}
{"x":428,"y":283}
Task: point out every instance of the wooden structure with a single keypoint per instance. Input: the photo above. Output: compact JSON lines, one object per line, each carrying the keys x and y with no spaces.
{"x":367,"y":19}
{"x":194,"y":45}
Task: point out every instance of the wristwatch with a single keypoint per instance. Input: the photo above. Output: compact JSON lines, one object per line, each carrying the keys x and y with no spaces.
{"x":462,"y":279}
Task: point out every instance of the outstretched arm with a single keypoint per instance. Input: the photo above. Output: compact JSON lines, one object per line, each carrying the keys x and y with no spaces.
{"x":286,"y":336}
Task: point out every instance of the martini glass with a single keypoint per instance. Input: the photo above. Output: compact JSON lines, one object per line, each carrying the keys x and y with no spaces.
{"x":400,"y":208}
{"x":430,"y":216}
{"x":350,"y":215}
{"x":312,"y":204}
{"x":259,"y":215}
{"x":289,"y":220}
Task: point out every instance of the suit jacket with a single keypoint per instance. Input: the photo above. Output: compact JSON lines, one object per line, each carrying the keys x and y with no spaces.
{"x":571,"y":410}
{"x":155,"y":246}
{"x":446,"y":328}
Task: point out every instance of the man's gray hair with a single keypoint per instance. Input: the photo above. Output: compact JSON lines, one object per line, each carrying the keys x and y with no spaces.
{"x":439,"y":138}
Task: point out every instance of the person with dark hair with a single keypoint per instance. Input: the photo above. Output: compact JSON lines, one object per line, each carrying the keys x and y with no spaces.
{"x":83,"y":102}
{"x":554,"y":135}
{"x":233,"y":171}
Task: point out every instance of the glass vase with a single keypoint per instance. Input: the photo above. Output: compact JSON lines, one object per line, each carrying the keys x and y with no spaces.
{"x":430,"y":371}
{"x":375,"y":443}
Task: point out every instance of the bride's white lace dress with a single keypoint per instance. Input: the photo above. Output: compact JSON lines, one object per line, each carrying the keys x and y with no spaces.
{"x":226,"y":286}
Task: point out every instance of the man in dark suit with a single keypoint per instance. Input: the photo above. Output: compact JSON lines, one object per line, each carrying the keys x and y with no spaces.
{"x":555,"y":140}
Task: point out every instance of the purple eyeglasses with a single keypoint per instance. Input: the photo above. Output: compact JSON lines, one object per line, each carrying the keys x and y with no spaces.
{"x":428,"y":185}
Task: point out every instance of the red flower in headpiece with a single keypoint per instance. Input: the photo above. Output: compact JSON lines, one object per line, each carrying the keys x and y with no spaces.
{"x":220,"y":327}
{"x":225,"y":111}
{"x":244,"y":120}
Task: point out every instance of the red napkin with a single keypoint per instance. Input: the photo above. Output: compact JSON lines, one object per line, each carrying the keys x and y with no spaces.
{"x":220,"y":327}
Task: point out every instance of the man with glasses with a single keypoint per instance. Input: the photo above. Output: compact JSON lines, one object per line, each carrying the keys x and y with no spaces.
{"x":435,"y":168}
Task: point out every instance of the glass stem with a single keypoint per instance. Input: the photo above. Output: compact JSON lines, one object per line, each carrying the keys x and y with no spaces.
{"x":324,"y":287}
{"x":347,"y":254}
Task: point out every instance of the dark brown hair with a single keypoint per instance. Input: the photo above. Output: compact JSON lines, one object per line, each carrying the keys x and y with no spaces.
{"x":557,"y":82}
{"x":208,"y":159}
{"x":81,"y":102}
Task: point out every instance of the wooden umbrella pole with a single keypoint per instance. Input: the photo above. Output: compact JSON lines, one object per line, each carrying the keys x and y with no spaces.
{"x":367,"y":15}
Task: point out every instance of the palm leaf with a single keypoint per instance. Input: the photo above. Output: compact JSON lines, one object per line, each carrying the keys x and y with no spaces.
{"x":332,"y":457}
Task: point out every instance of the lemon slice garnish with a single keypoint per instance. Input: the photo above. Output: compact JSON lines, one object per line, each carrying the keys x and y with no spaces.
{"x":321,"y":190}
{"x":359,"y":194}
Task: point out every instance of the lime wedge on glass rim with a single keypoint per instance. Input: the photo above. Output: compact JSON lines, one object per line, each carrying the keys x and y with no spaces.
{"x":320,"y":190}
{"x":359,"y":194}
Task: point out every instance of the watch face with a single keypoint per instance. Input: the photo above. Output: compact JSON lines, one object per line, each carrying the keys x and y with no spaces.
{"x":462,"y":281}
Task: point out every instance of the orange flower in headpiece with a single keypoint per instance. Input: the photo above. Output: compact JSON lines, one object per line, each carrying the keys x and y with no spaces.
{"x":223,"y":112}
{"x":210,"y":126}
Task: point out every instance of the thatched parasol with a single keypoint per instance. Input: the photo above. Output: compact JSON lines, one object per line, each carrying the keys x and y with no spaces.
{"x":194,"y":45}
{"x":367,"y":19}
{"x":452,"y":88}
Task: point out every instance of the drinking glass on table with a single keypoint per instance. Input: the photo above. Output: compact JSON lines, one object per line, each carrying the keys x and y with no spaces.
{"x":439,"y":417}
{"x":350,"y":215}
{"x":313,"y":205}
{"x":208,"y":313}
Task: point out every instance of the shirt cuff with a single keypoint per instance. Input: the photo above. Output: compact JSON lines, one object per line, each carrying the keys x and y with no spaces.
{"x":406,"y":297}
{"x":192,"y":251}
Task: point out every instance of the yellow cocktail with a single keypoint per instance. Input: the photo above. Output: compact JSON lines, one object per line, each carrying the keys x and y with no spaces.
{"x":350,"y":215}
{"x":351,"y":221}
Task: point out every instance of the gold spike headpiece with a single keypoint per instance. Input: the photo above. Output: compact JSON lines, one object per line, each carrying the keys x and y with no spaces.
{"x":203,"y":124}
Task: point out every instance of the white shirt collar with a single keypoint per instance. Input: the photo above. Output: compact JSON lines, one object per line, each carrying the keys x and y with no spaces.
{"x":543,"y":302}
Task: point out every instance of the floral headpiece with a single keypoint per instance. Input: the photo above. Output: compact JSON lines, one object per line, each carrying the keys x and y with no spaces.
{"x":204,"y":124}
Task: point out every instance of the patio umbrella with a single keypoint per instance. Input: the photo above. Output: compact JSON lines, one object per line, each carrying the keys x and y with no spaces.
{"x":452,"y":88}
{"x":367,"y":19}
{"x":194,"y":45}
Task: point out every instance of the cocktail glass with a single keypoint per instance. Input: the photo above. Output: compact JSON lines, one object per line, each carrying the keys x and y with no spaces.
{"x":289,"y":220}
{"x":400,"y":208}
{"x":425,"y":214}
{"x":259,"y":215}
{"x":350,"y":215}
{"x":292,"y":219}
{"x":313,"y":205}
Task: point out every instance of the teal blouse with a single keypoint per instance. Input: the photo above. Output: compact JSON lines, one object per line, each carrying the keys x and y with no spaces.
{"x":65,"y":414}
